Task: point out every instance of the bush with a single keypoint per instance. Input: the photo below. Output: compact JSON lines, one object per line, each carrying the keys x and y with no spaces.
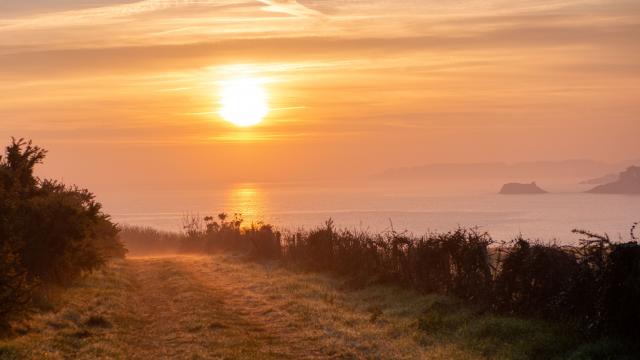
{"x":621,"y":300}
{"x":611,"y":274}
{"x":193,"y":239}
{"x":622,"y":290}
{"x":456,"y":262}
{"x":535,"y":279}
{"x":314,"y":250}
{"x":64,"y":234}
{"x":49,"y":232}
{"x":15,"y":287}
{"x":225,"y":234}
{"x":260,"y":240}
{"x":265,"y":241}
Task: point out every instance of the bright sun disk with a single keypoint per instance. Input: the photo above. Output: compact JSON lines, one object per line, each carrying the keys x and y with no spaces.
{"x":243,"y":102}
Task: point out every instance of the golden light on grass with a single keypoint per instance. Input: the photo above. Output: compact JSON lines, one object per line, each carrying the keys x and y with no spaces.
{"x":243,"y":101}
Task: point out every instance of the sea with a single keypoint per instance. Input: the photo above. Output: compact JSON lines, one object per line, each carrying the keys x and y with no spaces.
{"x":415,"y":207}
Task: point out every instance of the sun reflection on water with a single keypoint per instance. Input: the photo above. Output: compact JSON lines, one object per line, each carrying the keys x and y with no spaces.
{"x":248,"y":200}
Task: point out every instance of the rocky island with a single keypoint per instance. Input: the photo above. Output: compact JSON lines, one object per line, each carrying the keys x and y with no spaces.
{"x":520,"y":188}
{"x":627,"y":183}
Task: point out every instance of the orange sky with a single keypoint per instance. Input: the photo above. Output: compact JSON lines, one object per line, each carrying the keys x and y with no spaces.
{"x":124,"y":92}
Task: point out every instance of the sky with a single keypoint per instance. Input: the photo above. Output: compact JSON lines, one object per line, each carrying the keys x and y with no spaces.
{"x":124,"y":93}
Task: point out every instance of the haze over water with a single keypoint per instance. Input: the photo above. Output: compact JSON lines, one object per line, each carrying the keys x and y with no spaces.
{"x":416,"y":207}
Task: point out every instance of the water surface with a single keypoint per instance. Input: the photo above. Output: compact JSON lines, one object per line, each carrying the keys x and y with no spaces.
{"x":417,"y":208}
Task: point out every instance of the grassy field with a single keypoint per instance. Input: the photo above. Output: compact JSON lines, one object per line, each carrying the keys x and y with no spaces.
{"x":220,"y":307}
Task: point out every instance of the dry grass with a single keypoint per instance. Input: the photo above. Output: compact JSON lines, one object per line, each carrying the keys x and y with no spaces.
{"x":190,"y":307}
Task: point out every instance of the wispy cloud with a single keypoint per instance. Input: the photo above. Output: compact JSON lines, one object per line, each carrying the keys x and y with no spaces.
{"x":291,"y":7}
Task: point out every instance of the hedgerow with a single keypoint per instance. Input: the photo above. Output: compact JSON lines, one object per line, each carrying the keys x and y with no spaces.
{"x":595,"y":283}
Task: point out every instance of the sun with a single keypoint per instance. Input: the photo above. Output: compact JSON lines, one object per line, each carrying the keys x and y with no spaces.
{"x":243,"y":102}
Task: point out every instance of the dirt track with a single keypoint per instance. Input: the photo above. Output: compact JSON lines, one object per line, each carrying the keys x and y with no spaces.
{"x":193,"y":307}
{"x":197,"y":307}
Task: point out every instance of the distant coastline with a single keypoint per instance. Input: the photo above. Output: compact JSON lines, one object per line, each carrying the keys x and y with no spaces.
{"x":568,"y":169}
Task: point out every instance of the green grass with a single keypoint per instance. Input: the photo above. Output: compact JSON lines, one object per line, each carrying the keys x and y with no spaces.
{"x":501,"y":337}
{"x":512,"y":338}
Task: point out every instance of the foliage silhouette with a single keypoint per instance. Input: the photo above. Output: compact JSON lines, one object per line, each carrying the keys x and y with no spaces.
{"x":49,"y":232}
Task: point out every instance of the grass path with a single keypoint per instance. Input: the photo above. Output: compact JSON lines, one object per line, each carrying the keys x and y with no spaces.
{"x":189,"y":307}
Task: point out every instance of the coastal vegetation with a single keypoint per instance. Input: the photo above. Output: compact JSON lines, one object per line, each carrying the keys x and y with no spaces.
{"x":50,"y":233}
{"x":594,"y":284}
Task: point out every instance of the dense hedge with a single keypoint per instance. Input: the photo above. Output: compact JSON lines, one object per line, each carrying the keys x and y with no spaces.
{"x":595,"y":283}
{"x":49,"y":232}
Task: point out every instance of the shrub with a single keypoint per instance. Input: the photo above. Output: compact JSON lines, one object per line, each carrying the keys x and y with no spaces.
{"x":225,"y":234}
{"x":535,"y":278}
{"x":64,"y":233}
{"x":49,"y":232}
{"x":315,"y":249}
{"x":194,"y":235}
{"x":15,"y":287}
{"x":358,"y":254}
{"x":621,"y":300}
{"x":456,"y":262}
{"x":265,"y":241}
{"x":611,"y":274}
